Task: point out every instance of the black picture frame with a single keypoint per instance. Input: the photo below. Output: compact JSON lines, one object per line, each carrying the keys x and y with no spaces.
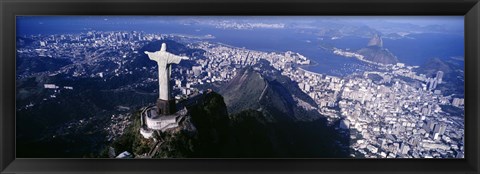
{"x":10,"y":8}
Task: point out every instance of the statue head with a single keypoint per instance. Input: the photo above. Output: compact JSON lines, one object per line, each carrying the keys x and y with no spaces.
{"x":164,"y":47}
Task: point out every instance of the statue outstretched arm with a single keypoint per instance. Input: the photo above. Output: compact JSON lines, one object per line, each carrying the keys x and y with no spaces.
{"x":150,"y":56}
{"x":176,"y":59}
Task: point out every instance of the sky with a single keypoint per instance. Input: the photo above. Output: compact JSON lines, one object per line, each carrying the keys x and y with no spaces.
{"x":30,"y":23}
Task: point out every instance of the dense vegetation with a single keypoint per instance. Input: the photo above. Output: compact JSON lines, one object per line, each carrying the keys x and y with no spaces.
{"x":130,"y":141}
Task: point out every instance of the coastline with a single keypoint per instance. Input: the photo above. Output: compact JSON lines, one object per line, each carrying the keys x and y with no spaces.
{"x":315,"y":63}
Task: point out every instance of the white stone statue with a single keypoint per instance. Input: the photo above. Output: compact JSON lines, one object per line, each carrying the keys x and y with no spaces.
{"x":164,"y":61}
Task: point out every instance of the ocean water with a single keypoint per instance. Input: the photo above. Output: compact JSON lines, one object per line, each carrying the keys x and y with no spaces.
{"x":422,"y":47}
{"x":414,"y":50}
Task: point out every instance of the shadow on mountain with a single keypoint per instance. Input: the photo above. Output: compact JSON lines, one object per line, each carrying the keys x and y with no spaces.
{"x":247,"y":134}
{"x":267,"y":117}
{"x":264,"y":122}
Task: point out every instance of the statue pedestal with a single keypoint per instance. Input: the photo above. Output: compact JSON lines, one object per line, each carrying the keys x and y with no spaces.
{"x":166,"y":107}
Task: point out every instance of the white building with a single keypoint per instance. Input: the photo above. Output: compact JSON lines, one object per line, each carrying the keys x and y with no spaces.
{"x":156,"y":122}
{"x":146,"y":133}
{"x":197,"y":70}
{"x":124,"y":155}
{"x":151,"y":121}
{"x":50,"y":86}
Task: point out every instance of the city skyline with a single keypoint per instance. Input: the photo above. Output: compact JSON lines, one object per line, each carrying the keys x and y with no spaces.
{"x":380,"y":106}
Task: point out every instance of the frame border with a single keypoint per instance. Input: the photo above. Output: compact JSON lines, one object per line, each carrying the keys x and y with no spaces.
{"x":10,"y":8}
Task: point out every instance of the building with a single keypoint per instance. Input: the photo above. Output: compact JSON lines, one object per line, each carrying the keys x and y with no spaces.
{"x":345,"y":124}
{"x":146,"y":133}
{"x":441,"y":128}
{"x":151,"y":121}
{"x":458,"y":102}
{"x":197,"y":70}
{"x":50,"y":86}
{"x":155,"y":121}
{"x":124,"y":155}
{"x":432,"y":83}
{"x":439,"y":77}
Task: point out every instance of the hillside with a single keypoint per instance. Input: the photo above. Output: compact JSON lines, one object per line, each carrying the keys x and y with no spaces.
{"x":271,"y":94}
{"x":210,"y":132}
{"x":376,"y":53}
{"x":433,"y":65}
{"x":244,"y":91}
{"x":453,"y":78}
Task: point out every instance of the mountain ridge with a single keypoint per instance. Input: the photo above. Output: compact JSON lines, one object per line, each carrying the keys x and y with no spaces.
{"x":253,"y":90}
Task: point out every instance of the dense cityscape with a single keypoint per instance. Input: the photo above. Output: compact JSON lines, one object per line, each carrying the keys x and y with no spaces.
{"x":398,"y":114}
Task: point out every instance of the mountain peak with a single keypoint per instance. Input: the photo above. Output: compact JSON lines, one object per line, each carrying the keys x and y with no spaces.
{"x":244,"y":90}
{"x":376,"y":53}
{"x":376,"y":41}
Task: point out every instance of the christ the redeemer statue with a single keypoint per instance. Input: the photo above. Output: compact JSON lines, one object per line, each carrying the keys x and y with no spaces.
{"x":164,"y":61}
